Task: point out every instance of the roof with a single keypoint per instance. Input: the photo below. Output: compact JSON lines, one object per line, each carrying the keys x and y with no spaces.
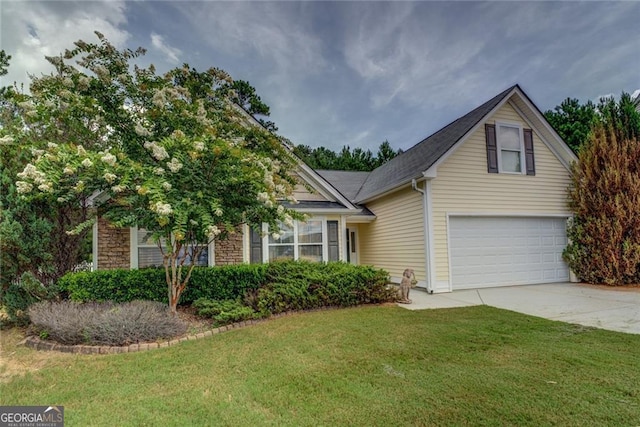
{"x":348,"y":183}
{"x":314,"y":204}
{"x":410,"y":164}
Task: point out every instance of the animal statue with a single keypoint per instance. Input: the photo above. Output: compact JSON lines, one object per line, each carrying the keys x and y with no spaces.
{"x":407,"y":282}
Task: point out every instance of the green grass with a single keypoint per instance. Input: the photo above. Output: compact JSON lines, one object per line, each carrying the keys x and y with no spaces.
{"x":363,"y":366}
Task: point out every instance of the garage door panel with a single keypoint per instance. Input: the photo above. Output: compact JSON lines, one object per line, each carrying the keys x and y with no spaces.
{"x":504,"y":251}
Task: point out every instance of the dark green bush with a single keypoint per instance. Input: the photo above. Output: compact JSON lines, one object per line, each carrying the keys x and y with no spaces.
{"x":17,"y":298}
{"x":104,"y":323}
{"x":216,"y":283}
{"x":272,"y":288}
{"x":305,"y":285}
{"x":225,"y":311}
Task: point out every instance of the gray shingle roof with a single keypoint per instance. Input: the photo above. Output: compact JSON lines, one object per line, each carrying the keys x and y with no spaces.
{"x":348,"y":183}
{"x":410,"y":164}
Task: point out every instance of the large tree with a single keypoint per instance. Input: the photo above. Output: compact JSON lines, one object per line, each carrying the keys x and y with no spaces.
{"x":243,"y":94}
{"x":172,"y":153}
{"x":574,"y":121}
{"x":347,"y":159}
{"x":604,"y":233}
{"x":33,"y":234}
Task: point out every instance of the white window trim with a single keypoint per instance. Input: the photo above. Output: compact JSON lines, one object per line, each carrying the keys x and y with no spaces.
{"x":325,"y":240}
{"x":523,"y":166}
{"x":133,"y":250}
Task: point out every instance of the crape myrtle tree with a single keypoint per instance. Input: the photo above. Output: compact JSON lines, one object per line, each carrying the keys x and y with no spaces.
{"x":33,"y":234}
{"x":171,"y":153}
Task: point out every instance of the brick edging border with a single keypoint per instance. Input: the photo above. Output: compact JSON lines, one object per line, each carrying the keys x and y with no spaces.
{"x":43,"y":345}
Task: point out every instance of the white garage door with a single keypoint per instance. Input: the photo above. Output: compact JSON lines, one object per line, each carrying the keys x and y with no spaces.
{"x":501,"y":251}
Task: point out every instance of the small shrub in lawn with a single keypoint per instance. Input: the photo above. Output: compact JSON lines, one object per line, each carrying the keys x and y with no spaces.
{"x":225,"y":311}
{"x":104,"y":323}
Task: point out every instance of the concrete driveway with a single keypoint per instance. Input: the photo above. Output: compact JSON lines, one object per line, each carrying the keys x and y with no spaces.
{"x":607,"y":308}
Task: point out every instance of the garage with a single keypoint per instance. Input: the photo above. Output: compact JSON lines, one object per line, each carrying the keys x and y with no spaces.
{"x":504,"y":251}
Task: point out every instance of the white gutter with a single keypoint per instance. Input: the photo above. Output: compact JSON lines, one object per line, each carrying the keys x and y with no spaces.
{"x":428,"y":265}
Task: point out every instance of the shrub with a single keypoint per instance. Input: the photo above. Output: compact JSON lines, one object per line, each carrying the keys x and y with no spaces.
{"x":305,"y":285}
{"x":104,"y":323}
{"x":265,"y":288}
{"x":219,"y":283}
{"x":605,"y":197}
{"x":17,"y":298}
{"x":225,"y":311}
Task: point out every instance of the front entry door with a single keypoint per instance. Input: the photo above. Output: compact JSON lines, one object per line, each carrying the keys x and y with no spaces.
{"x":352,"y":245}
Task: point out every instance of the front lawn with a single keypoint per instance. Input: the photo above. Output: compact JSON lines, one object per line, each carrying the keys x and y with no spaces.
{"x":361,"y":366}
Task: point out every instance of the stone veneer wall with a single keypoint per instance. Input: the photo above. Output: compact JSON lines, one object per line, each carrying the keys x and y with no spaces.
{"x":113,"y":246}
{"x":229,"y":251}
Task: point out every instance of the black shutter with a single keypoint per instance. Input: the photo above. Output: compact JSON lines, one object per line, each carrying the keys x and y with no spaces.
{"x":332,"y":240}
{"x":528,"y":151}
{"x":256,"y":247}
{"x":492,"y":148}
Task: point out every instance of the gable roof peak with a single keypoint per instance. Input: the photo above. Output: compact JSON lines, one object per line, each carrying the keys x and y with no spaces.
{"x":411,"y":163}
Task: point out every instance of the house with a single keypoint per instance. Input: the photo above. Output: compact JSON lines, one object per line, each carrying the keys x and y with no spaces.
{"x":481,"y":202}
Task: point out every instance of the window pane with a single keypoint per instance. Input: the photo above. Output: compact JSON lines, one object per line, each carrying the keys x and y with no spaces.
{"x":280,"y":252}
{"x":310,"y":232}
{"x":511,"y":161}
{"x":149,"y":257}
{"x":203,"y":256}
{"x":509,"y":138}
{"x":310,"y":253}
{"x":286,"y":235}
{"x":145,"y":238}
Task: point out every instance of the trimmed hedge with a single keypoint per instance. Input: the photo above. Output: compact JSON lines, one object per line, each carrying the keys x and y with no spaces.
{"x":225,"y":311}
{"x":306,"y":285}
{"x":266,"y":288}
{"x":216,"y":283}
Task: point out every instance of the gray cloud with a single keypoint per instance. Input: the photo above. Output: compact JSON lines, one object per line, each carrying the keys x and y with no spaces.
{"x":357,"y":73}
{"x":33,"y":30}
{"x":171,"y":53}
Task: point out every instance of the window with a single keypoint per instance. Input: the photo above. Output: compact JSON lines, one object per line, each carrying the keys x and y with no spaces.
{"x":310,"y":240}
{"x":511,"y":148}
{"x":149,"y":255}
{"x":303,"y":241}
{"x":314,"y":240}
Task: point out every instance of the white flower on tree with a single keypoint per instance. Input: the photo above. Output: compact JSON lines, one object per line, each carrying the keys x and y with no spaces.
{"x":158,"y":152}
{"x":162,"y":208}
{"x":212,"y":231}
{"x":109,"y":159}
{"x":174,"y":165}
{"x":23,"y":187}
{"x":109,"y":177}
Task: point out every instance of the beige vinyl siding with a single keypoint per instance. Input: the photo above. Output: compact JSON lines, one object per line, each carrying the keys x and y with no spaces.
{"x":395,"y":240}
{"x":464,"y":185}
{"x":302,"y":193}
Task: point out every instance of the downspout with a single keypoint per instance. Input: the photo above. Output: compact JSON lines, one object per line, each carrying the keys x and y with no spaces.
{"x":414,"y":186}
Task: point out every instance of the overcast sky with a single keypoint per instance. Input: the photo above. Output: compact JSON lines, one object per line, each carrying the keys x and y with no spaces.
{"x":356,"y":73}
